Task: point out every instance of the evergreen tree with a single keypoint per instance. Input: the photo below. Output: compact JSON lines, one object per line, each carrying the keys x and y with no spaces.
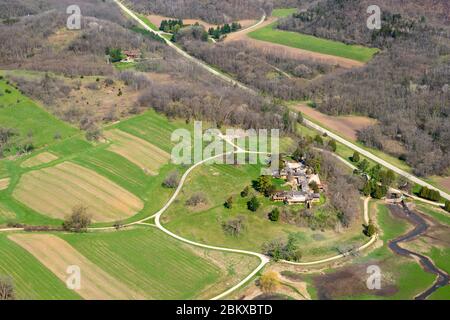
{"x":332,"y":145}
{"x":355,"y":157}
{"x":253,"y":204}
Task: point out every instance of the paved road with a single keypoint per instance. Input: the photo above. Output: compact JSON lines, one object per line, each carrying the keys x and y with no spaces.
{"x":373,"y":157}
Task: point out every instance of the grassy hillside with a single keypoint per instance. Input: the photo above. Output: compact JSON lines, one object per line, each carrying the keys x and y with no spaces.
{"x":30,"y":122}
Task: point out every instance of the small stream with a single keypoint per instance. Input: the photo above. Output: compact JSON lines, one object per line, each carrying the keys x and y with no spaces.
{"x":426,"y":263}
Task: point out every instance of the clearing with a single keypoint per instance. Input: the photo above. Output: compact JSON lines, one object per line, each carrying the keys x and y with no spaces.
{"x":73,"y":185}
{"x":138,"y":151}
{"x":41,"y":158}
{"x":57,"y":255}
{"x":156,"y":20}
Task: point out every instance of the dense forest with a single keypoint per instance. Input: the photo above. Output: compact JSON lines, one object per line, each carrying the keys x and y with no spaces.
{"x":405,"y":87}
{"x":212,"y":11}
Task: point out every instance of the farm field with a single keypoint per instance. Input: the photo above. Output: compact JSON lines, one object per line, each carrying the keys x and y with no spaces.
{"x":32,"y":280}
{"x":56,"y":254}
{"x":138,"y":151}
{"x":297,"y":40}
{"x":162,"y":268}
{"x":203,"y":223}
{"x":74,"y":185}
{"x":32,"y":123}
{"x":41,"y":158}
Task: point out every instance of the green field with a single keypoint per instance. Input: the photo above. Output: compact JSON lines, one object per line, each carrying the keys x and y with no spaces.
{"x":31,"y":279}
{"x":153,"y":263}
{"x":270,"y":33}
{"x":283,"y":12}
{"x":31,"y":122}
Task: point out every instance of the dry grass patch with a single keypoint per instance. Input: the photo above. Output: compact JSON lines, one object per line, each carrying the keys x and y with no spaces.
{"x":42,"y":158}
{"x":4,"y":183}
{"x":140,"y":152}
{"x":57,"y":255}
{"x":348,"y":126}
{"x":57,"y":190}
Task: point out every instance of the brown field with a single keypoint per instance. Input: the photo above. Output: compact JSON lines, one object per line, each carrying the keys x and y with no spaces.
{"x":56,"y":255}
{"x":42,"y":158}
{"x":55,"y":191}
{"x":347,"y":126}
{"x":156,"y":20}
{"x":4,"y":183}
{"x":138,"y":151}
{"x":289,"y":51}
{"x":443,"y":182}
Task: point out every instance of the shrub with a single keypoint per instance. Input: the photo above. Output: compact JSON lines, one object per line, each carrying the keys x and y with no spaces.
{"x":171,"y":181}
{"x":269,"y":282}
{"x":429,"y":194}
{"x":370,"y":229}
{"x":196,"y":199}
{"x":253,"y":204}
{"x":245,"y":192}
{"x":332,"y":145}
{"x":447,"y":205}
{"x":234,"y":227}
{"x":78,"y":221}
{"x":229,"y":203}
{"x":355,"y":157}
{"x":274,"y":215}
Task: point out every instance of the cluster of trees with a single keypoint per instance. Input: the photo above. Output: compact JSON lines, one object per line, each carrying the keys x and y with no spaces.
{"x":219,"y":31}
{"x":7,"y":291}
{"x":269,"y":282}
{"x":429,"y":194}
{"x":377,"y":181}
{"x":411,"y":103}
{"x":212,"y":11}
{"x":78,"y":221}
{"x":191,"y":33}
{"x":171,"y":25}
{"x":280,"y":249}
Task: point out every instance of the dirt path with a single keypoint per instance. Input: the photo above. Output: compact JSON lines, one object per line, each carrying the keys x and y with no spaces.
{"x":421,"y":226}
{"x":57,"y":255}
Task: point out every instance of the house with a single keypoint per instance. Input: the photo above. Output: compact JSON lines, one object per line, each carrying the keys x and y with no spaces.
{"x":299,"y":177}
{"x":131,"y":55}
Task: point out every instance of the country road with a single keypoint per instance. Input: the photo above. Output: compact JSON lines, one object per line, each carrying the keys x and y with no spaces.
{"x":307,"y":122}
